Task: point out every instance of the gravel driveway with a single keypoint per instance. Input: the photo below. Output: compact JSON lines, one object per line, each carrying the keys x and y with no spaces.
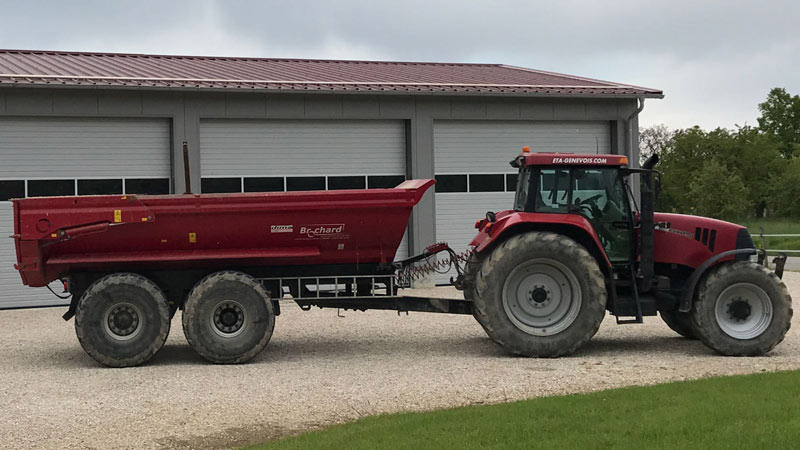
{"x":317,"y":370}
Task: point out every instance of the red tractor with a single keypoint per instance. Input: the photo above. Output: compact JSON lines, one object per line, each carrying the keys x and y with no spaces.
{"x":543,"y":274}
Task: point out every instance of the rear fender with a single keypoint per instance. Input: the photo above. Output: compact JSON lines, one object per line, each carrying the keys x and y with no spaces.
{"x":571,"y":225}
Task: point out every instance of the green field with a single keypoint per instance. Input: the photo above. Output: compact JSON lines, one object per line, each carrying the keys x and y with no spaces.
{"x":775,"y":226}
{"x":751,"y":411}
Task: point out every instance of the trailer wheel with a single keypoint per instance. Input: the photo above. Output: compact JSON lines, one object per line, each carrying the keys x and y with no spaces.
{"x":228,"y":317}
{"x":743,"y":310}
{"x":679,"y":322}
{"x":122,"y":320}
{"x":541,"y":294}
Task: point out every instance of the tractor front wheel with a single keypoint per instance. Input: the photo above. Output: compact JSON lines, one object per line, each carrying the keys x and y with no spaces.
{"x":540,"y":294}
{"x":743,"y":310}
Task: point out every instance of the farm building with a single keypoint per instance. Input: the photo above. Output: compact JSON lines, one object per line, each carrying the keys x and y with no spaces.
{"x":99,"y":123}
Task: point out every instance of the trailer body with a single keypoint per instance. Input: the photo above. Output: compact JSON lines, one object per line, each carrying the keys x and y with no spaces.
{"x":59,"y":236}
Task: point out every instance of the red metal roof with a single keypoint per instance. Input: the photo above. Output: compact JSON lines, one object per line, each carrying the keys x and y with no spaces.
{"x":79,"y":69}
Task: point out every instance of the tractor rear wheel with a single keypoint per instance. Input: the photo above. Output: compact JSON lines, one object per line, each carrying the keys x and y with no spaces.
{"x":540,"y":294}
{"x":743,"y":309}
{"x":122,"y":320}
{"x":228,"y":317}
{"x":679,"y":322}
{"x":470,"y":272}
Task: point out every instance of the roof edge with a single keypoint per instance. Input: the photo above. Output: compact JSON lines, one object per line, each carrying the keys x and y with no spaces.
{"x":631,"y":96}
{"x":243,"y":58}
{"x":575,"y":77}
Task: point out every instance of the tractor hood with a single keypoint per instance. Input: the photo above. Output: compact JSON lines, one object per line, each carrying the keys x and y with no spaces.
{"x":690,"y":240}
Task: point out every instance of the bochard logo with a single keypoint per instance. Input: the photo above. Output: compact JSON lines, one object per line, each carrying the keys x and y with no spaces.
{"x":325,"y":230}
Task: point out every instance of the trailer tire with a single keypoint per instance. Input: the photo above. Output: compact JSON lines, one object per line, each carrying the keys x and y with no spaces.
{"x":679,"y":322}
{"x":547,"y":271}
{"x":122,"y":320}
{"x":228,"y":317}
{"x":742,"y":309}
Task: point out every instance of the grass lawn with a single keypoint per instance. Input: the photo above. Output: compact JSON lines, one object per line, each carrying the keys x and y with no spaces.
{"x":751,"y":411}
{"x":775,"y":226}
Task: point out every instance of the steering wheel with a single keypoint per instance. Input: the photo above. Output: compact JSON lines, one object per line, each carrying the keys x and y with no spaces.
{"x":591,"y":204}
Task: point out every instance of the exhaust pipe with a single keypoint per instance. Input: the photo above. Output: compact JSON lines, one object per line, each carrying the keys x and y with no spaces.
{"x":647,"y":263}
{"x":186,"y":172}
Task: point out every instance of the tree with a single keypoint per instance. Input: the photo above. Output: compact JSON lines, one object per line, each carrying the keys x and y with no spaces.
{"x":718,"y":192}
{"x":780,"y":118}
{"x":785,"y":191}
{"x":654,"y":139}
{"x":746,"y":154}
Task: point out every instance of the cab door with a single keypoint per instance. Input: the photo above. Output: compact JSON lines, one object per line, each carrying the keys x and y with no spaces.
{"x":599,"y":195}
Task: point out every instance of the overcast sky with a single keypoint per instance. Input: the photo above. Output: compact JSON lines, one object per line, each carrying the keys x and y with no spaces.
{"x":714,"y":60}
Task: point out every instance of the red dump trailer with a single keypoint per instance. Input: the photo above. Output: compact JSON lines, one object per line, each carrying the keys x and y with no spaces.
{"x":226,"y":259}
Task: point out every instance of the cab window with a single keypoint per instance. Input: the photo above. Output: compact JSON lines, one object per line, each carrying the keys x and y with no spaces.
{"x":553,"y":193}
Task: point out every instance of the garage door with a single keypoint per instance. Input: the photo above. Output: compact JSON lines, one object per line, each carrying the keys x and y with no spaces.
{"x":294,"y":155}
{"x":472,"y":171}
{"x":61,"y":156}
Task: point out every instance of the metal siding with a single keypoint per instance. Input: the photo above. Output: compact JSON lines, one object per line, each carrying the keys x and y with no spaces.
{"x":303,"y":147}
{"x":464,"y":147}
{"x":71,"y":148}
{"x":486,"y":146}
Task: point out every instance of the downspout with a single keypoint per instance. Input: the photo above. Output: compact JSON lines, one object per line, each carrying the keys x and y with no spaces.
{"x":629,"y":128}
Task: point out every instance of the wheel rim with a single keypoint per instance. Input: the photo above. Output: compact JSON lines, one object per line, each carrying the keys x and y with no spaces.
{"x":542,"y":297}
{"x":228,"y":319}
{"x":743,"y":311}
{"x":123,"y":321}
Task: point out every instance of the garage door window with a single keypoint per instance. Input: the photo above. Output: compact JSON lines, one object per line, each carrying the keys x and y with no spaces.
{"x":211,"y":185}
{"x":262,"y":184}
{"x":221,"y":185}
{"x":475,"y":182}
{"x":487,"y":183}
{"x":99,"y":187}
{"x":71,"y":186}
{"x":355,"y":182}
{"x":50,"y":188}
{"x":11,"y":189}
{"x":384,"y":181}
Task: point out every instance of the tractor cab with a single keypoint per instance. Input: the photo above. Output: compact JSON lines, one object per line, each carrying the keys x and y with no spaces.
{"x":592,"y":186}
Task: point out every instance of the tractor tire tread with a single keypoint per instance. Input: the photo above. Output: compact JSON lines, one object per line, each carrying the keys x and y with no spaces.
{"x":710,"y":333}
{"x":595,"y":297}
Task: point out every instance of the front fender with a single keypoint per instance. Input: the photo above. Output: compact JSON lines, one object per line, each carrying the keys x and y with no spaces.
{"x":509,"y":223}
{"x":691,"y":284}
